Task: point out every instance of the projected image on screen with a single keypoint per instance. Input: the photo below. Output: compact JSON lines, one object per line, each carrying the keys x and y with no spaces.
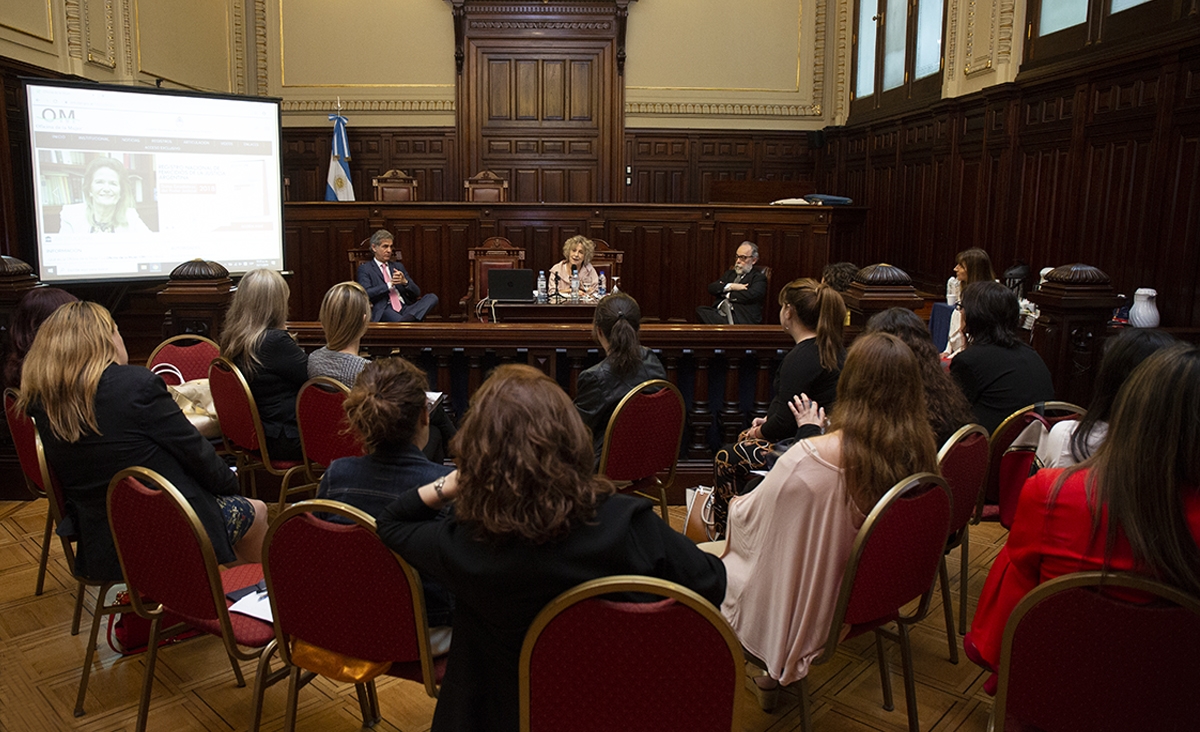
{"x":131,"y":184}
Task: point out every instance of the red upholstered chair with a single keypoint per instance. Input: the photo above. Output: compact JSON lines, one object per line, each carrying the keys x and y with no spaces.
{"x":58,"y":510}
{"x":166,"y":554}
{"x":963,"y":463}
{"x":24,"y":437}
{"x":241,"y":427}
{"x":339,"y":589}
{"x":1013,"y":454}
{"x":395,"y":185}
{"x":325,"y":435}
{"x":1102,"y":653}
{"x":894,"y":561}
{"x":190,"y":355}
{"x":642,"y":440}
{"x":486,"y":187}
{"x":593,"y":664}
{"x":495,"y":253}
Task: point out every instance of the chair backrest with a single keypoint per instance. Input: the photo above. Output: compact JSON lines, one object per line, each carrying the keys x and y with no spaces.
{"x":486,"y":187}
{"x":337,"y":586}
{"x":494,"y":253}
{"x":325,"y":435}
{"x":768,"y":299}
{"x":607,"y":260}
{"x":395,"y":185}
{"x":24,"y":436}
{"x":588,"y":663}
{"x":55,"y":497}
{"x":165,"y":552}
{"x":895,"y":556}
{"x":644,"y":433}
{"x":1077,"y":655}
{"x":358,"y":255}
{"x":240,"y":423}
{"x":963,"y":462}
{"x":189,"y":354}
{"x":1016,"y":425}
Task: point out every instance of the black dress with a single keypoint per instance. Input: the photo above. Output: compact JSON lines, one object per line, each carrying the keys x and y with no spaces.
{"x":140,"y":424}
{"x":281,"y":371}
{"x":998,"y":381}
{"x":500,"y":589}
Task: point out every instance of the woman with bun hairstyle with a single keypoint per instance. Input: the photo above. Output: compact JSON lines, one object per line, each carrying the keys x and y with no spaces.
{"x":97,"y":415}
{"x":253,"y":337}
{"x":1133,"y":506}
{"x":626,"y":364}
{"x":531,"y":519}
{"x":32,"y":309}
{"x":970,"y":266}
{"x":387,"y":409}
{"x":813,"y":314}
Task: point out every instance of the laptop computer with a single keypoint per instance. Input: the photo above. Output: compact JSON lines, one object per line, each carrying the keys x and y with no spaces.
{"x":511,"y":285}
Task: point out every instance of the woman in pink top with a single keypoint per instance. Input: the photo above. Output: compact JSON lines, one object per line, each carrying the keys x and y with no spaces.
{"x":789,"y":539}
{"x":1134,"y":505}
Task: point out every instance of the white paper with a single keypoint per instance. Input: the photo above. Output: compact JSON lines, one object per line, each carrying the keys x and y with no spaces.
{"x":256,"y":605}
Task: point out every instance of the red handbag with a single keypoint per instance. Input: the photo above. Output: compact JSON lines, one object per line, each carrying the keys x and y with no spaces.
{"x":129,"y":633}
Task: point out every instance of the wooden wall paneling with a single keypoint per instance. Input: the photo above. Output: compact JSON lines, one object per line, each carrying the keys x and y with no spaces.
{"x":660,"y":167}
{"x":315,"y":254}
{"x":426,"y":153}
{"x":1179,"y":264}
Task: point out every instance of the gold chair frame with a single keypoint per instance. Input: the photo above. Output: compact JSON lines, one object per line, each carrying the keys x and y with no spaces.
{"x":612,"y":420}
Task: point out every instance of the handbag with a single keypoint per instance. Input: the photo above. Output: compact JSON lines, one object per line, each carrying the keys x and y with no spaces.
{"x":129,"y":633}
{"x":698,"y":526}
{"x":195,"y":401}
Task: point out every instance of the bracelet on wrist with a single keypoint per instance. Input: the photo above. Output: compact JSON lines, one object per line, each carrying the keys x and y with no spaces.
{"x":437,"y":488}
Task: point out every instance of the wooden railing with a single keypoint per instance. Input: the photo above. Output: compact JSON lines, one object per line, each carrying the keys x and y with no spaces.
{"x":724,"y":372}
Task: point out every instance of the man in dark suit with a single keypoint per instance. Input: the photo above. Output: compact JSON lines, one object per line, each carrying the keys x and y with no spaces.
{"x":740,"y":291}
{"x":395,"y":298}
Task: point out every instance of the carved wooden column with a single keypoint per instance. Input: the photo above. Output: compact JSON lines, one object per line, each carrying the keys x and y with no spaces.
{"x":197,"y":297}
{"x":876,"y":288}
{"x":1076,"y":302}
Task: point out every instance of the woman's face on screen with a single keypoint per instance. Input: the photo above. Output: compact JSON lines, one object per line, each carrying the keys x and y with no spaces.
{"x":106,"y":187}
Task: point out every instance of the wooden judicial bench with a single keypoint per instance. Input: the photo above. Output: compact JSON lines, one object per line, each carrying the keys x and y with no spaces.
{"x":670,"y":252}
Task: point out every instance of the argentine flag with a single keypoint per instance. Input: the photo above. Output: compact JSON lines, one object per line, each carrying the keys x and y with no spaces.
{"x":338,"y":186}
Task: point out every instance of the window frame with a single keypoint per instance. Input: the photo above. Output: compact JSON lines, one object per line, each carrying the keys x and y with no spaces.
{"x":1100,"y":28}
{"x":912,"y":91}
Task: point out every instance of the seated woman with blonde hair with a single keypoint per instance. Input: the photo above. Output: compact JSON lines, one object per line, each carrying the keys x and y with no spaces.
{"x":97,"y":415}
{"x":577,"y":257}
{"x":253,"y":337}
{"x":345,"y":314}
{"x":789,"y":538}
{"x":531,"y":520}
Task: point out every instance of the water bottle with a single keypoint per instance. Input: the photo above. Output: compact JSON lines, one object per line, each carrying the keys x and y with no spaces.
{"x":602,"y":289}
{"x":541,"y":294}
{"x":574,"y":287}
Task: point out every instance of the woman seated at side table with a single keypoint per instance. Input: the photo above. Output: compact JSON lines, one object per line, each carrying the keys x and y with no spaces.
{"x":577,"y":256}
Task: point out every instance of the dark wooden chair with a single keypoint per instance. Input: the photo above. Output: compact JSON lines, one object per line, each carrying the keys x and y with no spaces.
{"x":486,"y":187}
{"x":607,"y":261}
{"x":495,"y":253}
{"x":395,"y":185}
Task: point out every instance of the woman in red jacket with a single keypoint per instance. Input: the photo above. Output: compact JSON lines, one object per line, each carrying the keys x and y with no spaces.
{"x":1133,"y":506}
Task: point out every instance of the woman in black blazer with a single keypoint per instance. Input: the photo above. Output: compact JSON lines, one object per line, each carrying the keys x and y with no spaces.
{"x":254,"y":339}
{"x":97,"y":416}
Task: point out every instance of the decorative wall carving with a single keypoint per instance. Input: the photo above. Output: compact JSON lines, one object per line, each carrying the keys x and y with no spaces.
{"x":369,"y":105}
{"x":74,"y":21}
{"x":262,"y":77}
{"x":99,"y":33}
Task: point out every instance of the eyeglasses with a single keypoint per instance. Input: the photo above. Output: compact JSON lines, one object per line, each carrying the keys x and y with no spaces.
{"x":741,"y":257}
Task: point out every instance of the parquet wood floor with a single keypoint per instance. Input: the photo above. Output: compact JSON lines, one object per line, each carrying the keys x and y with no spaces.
{"x":40,"y":667}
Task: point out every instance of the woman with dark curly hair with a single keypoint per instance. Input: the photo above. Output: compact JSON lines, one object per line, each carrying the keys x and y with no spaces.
{"x":948,"y":408}
{"x":531,"y":520}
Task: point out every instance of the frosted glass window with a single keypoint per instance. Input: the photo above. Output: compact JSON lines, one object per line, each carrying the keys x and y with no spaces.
{"x":865,"y":85}
{"x":929,"y":38}
{"x":1119,"y":5}
{"x":894,"y":41}
{"x":1060,"y":14}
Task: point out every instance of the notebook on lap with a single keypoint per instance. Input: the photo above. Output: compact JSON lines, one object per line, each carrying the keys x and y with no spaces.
{"x":511,"y":285}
